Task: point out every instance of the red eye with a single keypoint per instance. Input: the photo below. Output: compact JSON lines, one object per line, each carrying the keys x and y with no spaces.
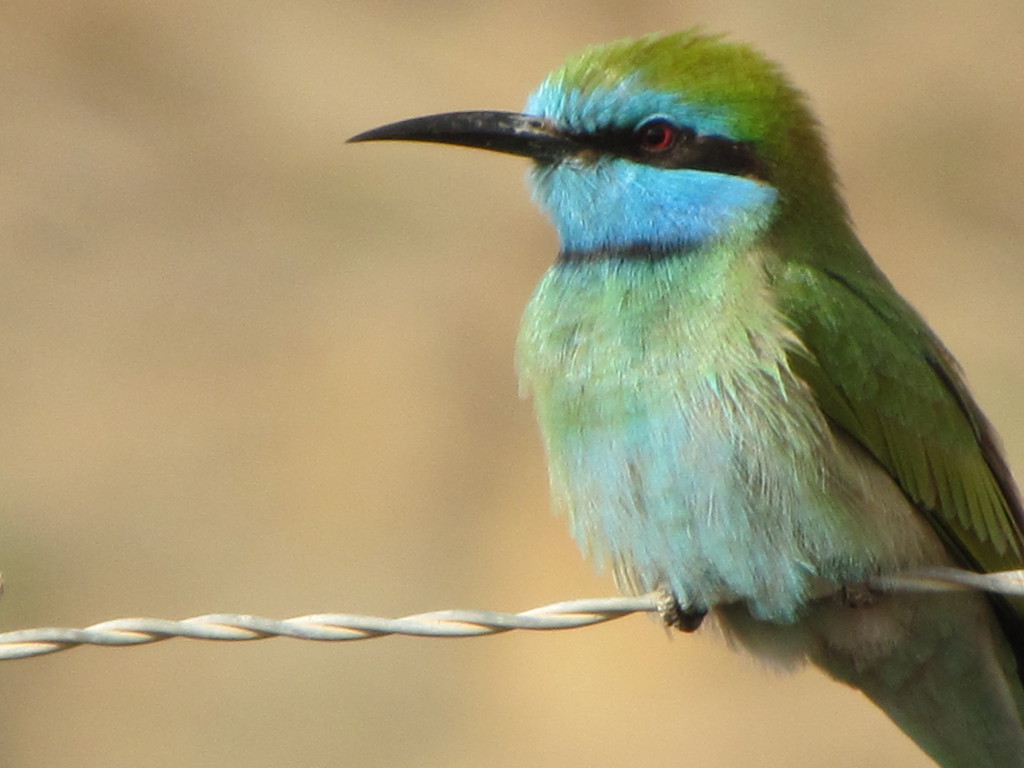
{"x":656,"y":135}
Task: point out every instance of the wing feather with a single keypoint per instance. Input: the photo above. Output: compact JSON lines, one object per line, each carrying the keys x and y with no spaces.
{"x":892,"y":387}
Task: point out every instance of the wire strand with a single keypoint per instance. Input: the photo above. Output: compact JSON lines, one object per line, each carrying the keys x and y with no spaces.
{"x":330,"y":627}
{"x":339,"y":627}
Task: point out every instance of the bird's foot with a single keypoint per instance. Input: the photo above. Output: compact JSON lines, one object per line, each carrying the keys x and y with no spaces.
{"x":673,"y":615}
{"x":857,"y":596}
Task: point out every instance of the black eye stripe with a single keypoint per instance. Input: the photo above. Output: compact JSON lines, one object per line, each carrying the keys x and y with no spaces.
{"x":691,"y":150}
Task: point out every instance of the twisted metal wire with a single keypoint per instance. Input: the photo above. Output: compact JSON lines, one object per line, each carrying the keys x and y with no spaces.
{"x":336,"y":627}
{"x":333,"y":627}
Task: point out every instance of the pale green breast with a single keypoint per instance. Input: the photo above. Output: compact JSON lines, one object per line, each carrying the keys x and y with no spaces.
{"x":683,"y":448}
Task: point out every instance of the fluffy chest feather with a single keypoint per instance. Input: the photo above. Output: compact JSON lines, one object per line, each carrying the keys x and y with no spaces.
{"x":684,"y":450}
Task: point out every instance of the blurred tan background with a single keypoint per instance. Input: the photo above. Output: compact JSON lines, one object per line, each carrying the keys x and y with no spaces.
{"x":248,"y":368}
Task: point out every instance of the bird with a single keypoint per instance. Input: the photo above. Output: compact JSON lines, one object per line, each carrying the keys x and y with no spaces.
{"x":737,"y":407}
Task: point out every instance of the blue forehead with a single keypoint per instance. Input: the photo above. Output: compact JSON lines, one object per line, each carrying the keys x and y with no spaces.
{"x":626,"y":105}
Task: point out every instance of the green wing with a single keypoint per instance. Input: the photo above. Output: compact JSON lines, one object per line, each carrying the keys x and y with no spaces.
{"x":880,"y":375}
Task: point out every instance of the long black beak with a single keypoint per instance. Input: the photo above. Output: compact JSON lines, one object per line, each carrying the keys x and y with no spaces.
{"x":508,"y":132}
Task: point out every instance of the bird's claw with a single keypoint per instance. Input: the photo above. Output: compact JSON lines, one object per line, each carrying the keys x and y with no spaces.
{"x":675,"y":616}
{"x":857,"y":596}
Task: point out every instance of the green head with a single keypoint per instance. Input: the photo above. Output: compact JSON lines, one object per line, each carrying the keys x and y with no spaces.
{"x":659,"y":145}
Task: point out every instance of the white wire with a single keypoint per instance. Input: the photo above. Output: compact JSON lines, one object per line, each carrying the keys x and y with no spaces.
{"x":337,"y":627}
{"x":334,"y":627}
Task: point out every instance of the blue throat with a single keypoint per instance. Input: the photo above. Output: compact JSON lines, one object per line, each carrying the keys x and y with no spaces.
{"x":615,"y":208}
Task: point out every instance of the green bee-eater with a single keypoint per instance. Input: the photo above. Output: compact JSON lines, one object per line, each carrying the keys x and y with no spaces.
{"x":737,"y":406}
